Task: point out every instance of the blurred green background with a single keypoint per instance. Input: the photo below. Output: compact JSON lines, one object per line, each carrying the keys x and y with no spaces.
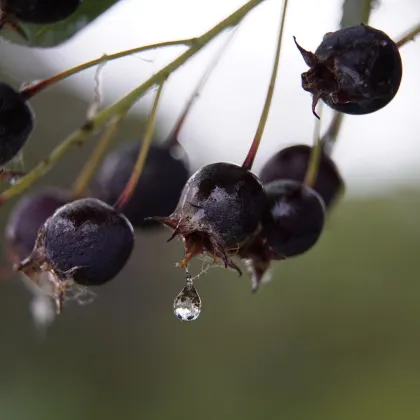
{"x":334,"y":336}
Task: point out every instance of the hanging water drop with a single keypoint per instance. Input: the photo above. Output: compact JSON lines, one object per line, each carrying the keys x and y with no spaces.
{"x":187,"y":305}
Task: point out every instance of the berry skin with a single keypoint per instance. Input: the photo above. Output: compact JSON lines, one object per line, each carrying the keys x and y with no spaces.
{"x":29,"y":214}
{"x":40,"y":11}
{"x":158,"y":189}
{"x":292,"y":163}
{"x":16,"y":123}
{"x":292,"y":225}
{"x":356,"y":70}
{"x":295,"y":219}
{"x":88,"y":240}
{"x":220,"y":209}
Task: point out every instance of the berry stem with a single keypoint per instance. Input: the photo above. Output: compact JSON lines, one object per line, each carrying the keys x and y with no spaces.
{"x":32,"y":89}
{"x":173,"y":138}
{"x":249,"y":160}
{"x":92,"y":164}
{"x":315,"y":156}
{"x":409,"y":36}
{"x":330,"y":136}
{"x":142,"y":156}
{"x":80,"y":136}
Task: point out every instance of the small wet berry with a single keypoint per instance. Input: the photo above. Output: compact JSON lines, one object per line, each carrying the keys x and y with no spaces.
{"x":292,"y":163}
{"x":356,"y":70}
{"x":29,"y":214}
{"x":295,"y":218}
{"x":39,"y":11}
{"x":158,"y":189}
{"x":292,"y":225}
{"x":219,"y":210}
{"x":85,"y":241}
{"x":16,"y":123}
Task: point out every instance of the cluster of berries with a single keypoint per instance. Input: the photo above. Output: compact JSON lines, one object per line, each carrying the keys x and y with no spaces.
{"x":65,"y":244}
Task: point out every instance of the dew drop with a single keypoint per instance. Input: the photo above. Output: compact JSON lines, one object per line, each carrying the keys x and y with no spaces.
{"x":187,"y":305}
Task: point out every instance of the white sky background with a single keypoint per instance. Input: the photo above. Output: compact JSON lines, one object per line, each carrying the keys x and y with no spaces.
{"x":374,"y":151}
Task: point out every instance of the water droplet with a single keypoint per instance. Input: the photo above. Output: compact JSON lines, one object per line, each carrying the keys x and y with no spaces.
{"x":187,"y":305}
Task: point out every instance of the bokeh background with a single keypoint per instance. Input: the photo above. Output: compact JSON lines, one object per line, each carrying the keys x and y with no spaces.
{"x":335,"y":335}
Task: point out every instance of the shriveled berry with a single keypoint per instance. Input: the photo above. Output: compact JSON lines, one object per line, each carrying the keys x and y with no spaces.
{"x":292,"y":163}
{"x":220,"y":209}
{"x":295,"y":218}
{"x":87,"y":240}
{"x":29,"y":214}
{"x":356,"y":70}
{"x":158,"y":189}
{"x":16,"y":123}
{"x":40,"y":11}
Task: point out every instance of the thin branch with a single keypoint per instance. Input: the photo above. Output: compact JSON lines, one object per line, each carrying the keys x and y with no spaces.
{"x":125,"y":196}
{"x":249,"y":160}
{"x":172,"y":139}
{"x":89,"y":169}
{"x":123,"y":105}
{"x":315,"y":155}
{"x":330,"y":136}
{"x":409,"y":36}
{"x":31,"y":89}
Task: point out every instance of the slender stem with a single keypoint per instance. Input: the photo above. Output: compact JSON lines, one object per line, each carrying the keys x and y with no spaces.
{"x":330,"y":136}
{"x":409,"y":36}
{"x":89,"y":169}
{"x":249,"y":160}
{"x":125,"y":196}
{"x":172,"y":139}
{"x":315,"y":156}
{"x":80,"y":136}
{"x":30,"y":90}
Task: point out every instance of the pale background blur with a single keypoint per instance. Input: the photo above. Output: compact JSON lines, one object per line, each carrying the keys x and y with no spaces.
{"x":335,"y":335}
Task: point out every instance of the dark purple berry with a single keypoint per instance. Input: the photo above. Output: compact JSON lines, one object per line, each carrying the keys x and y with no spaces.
{"x":158,"y":189}
{"x":40,"y":11}
{"x":292,"y":225}
{"x":356,"y":70}
{"x":220,"y":209}
{"x":294,"y":220}
{"x":16,"y":123}
{"x":29,"y":214}
{"x":292,"y":163}
{"x":86,"y":240}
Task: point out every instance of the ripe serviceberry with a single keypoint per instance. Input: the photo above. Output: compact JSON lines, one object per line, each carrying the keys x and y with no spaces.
{"x":292,"y":225}
{"x":85,"y":242}
{"x":295,"y":218}
{"x":220,"y":209}
{"x":39,"y":11}
{"x":356,"y":70}
{"x":16,"y":123}
{"x":292,"y":163}
{"x":158,"y":189}
{"x":29,"y":214}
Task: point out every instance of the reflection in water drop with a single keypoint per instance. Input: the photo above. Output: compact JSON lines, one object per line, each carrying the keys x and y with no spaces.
{"x":187,"y":305}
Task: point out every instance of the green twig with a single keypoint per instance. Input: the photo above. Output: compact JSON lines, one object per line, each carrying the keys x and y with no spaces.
{"x":125,"y":196}
{"x":90,"y":167}
{"x":124,"y":104}
{"x":28,"y":91}
{"x":249,"y":160}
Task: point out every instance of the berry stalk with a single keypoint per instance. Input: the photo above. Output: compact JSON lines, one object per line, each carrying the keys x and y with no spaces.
{"x":142,"y":156}
{"x":92,"y":164}
{"x":80,"y":136}
{"x":315,"y":156}
{"x":33,"y":89}
{"x":249,"y":160}
{"x":409,"y":36}
{"x":173,"y":138}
